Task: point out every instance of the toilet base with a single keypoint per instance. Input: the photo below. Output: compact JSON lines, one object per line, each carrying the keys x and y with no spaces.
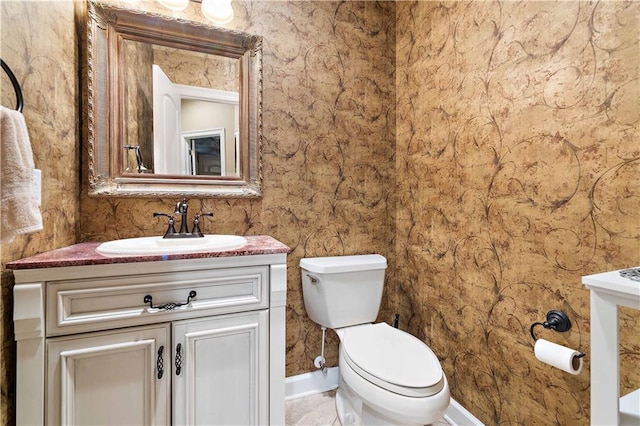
{"x":364,"y":415}
{"x":347,"y":413}
{"x":353,"y":409}
{"x":353,"y":412}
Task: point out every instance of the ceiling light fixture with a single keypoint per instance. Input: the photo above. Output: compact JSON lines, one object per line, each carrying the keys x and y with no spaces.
{"x":219,"y":12}
{"x":176,"y":5}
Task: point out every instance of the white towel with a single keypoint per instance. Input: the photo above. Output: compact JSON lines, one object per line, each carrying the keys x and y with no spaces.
{"x":20,"y":213}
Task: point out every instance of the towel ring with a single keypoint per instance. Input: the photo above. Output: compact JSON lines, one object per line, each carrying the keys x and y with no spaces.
{"x":16,"y":85}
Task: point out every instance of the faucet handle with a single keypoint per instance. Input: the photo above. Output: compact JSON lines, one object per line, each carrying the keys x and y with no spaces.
{"x":171,"y":229}
{"x":196,"y":224}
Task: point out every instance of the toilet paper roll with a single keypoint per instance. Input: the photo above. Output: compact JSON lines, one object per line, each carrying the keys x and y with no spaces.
{"x":566,"y":359}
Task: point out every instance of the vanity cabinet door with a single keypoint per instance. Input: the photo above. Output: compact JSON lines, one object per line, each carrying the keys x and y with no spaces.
{"x":119,"y":377}
{"x":221,"y":370}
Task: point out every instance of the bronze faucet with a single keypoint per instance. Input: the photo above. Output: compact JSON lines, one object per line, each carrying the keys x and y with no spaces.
{"x":182,"y":208}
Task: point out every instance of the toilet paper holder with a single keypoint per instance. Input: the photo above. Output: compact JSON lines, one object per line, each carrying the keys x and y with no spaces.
{"x":557,"y":321}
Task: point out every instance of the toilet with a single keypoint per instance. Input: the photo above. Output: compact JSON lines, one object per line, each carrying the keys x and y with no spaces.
{"x":386,"y":376}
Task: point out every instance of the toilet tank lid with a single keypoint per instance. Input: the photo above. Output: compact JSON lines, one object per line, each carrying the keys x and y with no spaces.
{"x":339,"y":264}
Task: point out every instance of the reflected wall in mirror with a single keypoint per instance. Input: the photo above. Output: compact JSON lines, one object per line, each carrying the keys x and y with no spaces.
{"x":174,"y":106}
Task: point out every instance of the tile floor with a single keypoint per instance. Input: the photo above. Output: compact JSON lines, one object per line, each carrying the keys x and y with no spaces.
{"x":318,"y":410}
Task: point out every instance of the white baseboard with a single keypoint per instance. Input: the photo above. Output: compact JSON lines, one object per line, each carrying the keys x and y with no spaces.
{"x":310,"y":383}
{"x":316,"y":382}
{"x":457,"y":415}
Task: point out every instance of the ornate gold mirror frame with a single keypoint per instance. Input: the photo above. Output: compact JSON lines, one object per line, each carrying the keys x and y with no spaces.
{"x":109,"y":28}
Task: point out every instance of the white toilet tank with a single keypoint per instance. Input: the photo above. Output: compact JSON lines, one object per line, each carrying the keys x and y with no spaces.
{"x":341,"y":291}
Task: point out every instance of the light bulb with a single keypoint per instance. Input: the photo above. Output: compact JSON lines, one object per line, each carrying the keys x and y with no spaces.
{"x":176,"y":5}
{"x":218,"y":11}
{"x":134,"y":4}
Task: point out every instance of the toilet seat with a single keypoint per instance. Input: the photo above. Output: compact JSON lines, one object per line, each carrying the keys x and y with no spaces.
{"x":392,"y":359}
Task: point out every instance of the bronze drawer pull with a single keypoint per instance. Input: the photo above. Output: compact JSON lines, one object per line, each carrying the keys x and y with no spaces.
{"x":171,"y":305}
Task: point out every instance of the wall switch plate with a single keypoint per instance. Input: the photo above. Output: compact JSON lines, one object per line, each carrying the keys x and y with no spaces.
{"x":36,"y":186}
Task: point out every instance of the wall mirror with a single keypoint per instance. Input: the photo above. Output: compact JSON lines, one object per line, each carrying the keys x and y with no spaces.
{"x":174,"y":106}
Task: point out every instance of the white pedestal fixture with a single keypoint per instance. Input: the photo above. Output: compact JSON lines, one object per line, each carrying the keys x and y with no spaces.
{"x":608,"y":291}
{"x":151,"y":342}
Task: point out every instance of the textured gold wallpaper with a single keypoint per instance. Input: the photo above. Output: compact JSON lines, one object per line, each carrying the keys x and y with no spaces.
{"x":518,"y":164}
{"x":489,"y":149}
{"x":37,"y":41}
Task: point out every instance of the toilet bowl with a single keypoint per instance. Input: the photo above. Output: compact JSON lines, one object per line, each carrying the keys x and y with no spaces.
{"x":386,"y":376}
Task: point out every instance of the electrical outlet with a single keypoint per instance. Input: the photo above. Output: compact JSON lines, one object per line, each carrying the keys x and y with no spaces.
{"x":36,"y":186}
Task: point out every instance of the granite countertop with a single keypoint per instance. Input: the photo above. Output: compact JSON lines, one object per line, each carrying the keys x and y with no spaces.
{"x":83,"y":254}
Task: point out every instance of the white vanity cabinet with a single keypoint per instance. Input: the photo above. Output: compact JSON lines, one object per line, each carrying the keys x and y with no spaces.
{"x":225,"y":370}
{"x":151,"y":342}
{"x":107,"y":378}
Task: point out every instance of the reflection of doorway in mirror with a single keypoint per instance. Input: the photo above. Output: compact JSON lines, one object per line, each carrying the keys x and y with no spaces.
{"x":180,"y":109}
{"x":167,"y":158}
{"x":205,"y":152}
{"x":202,"y":115}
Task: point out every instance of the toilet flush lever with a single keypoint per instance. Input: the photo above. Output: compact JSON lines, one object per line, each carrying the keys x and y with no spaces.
{"x":314,"y":280}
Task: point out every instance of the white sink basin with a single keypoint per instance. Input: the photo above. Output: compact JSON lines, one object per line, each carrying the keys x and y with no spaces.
{"x":157,"y":245}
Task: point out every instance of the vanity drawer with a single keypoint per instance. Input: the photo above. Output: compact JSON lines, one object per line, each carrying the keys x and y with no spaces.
{"x":75,"y":306}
